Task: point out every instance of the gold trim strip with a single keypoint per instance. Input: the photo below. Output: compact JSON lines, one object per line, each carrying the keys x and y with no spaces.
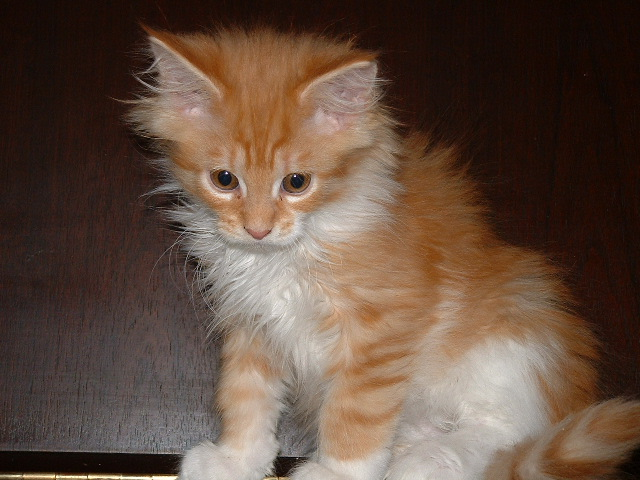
{"x":81,"y":476}
{"x":93,"y":476}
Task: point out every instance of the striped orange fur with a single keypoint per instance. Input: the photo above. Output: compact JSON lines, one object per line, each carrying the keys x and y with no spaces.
{"x":352,"y":271}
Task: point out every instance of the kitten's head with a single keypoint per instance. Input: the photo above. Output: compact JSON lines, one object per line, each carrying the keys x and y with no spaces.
{"x":268,"y":130}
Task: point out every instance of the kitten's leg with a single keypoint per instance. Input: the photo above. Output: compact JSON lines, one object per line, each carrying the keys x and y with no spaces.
{"x":249,"y":400}
{"x":358,"y":418}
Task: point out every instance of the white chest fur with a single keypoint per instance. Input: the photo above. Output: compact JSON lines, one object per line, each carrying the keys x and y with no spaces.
{"x":272,"y":291}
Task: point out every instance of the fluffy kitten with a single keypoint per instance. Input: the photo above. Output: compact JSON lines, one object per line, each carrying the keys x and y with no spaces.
{"x":351,"y":272}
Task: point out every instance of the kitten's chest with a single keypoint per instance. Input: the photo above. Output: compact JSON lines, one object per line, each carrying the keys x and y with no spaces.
{"x":276,"y":293}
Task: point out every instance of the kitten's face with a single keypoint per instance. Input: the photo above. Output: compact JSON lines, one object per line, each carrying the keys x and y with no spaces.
{"x":265,"y":205}
{"x":265,"y":180}
{"x":259,"y":195}
{"x":261,"y":129}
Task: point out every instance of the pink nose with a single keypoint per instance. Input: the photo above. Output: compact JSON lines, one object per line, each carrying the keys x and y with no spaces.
{"x":257,"y":234}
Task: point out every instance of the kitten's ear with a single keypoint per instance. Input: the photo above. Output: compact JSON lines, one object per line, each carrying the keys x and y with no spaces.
{"x":344,"y":93}
{"x":188,"y":90}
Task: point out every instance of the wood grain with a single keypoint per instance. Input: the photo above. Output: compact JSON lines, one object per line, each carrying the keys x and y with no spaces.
{"x":101,"y":347}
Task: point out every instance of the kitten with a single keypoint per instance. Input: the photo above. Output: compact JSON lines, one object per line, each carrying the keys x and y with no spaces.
{"x":351,"y":271}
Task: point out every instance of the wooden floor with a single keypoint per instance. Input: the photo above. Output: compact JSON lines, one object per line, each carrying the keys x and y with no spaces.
{"x":101,"y":348}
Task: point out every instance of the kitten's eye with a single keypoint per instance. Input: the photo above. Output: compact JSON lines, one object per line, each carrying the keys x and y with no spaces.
{"x":296,"y":182}
{"x":224,"y":180}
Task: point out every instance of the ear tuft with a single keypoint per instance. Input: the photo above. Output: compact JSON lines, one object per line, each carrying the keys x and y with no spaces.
{"x":187,"y":90}
{"x":345,"y":93}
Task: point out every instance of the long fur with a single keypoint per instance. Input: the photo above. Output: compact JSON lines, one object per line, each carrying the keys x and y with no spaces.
{"x":377,"y":300}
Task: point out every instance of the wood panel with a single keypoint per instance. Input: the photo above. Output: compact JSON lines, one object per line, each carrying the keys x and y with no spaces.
{"x":101,"y":347}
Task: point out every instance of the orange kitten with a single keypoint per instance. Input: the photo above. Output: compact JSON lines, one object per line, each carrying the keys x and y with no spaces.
{"x":352,"y":270}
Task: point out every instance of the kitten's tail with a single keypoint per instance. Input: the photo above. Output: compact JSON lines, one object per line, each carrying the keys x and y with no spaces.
{"x":588,"y":445}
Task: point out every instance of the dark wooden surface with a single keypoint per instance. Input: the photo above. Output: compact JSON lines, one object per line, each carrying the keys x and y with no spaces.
{"x":134,"y":464}
{"x":101,"y":347}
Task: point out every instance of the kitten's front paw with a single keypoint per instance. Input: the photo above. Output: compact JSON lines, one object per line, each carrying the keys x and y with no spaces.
{"x":211,"y":462}
{"x":315,"y":471}
{"x":426,"y":461}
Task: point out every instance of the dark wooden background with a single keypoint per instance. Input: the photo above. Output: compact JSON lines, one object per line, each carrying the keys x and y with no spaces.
{"x":101,"y":346}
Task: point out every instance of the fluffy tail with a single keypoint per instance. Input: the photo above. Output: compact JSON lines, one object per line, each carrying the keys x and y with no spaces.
{"x":588,"y":445}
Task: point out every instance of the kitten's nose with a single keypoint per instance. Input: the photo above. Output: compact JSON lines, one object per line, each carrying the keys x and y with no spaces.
{"x":257,"y":234}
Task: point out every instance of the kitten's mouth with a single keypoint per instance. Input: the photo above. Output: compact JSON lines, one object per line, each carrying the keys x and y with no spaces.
{"x":260,"y":241}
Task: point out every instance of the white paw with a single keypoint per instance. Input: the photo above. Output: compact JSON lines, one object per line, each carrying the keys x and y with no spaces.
{"x":426,"y":461}
{"x":211,"y":462}
{"x":315,"y":471}
{"x":369,"y":468}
